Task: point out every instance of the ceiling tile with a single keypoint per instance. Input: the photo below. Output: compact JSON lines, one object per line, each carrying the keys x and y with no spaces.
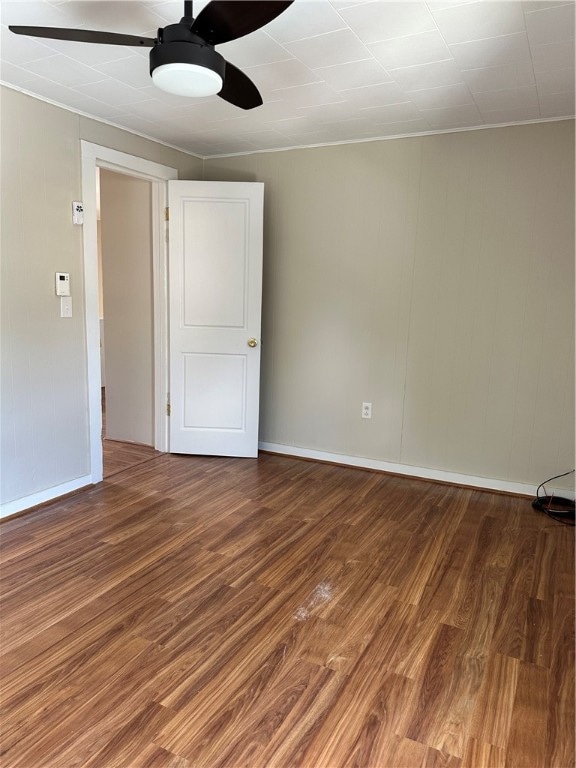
{"x":152,"y":92}
{"x":272,"y":110}
{"x":553,"y":56}
{"x":14,"y":75}
{"x":22,"y":50}
{"x":29,"y":12}
{"x":551,"y":25}
{"x":201,"y":148}
{"x":512,"y":98}
{"x":444,"y":96}
{"x":377,"y":21}
{"x":413,"y":49}
{"x":439,"y":5}
{"x":152,"y":110}
{"x":325,"y":50}
{"x":402,"y":127}
{"x":312,"y":139}
{"x":170,"y":11}
{"x":64,"y":71}
{"x":125,"y":16}
{"x":354,"y":74}
{"x":61,"y":94}
{"x":374,"y":95}
{"x":509,"y":115}
{"x":281,"y":74}
{"x":557,"y":105}
{"x":453,"y":117}
{"x":294,"y":126}
{"x":305,"y":19}
{"x":268,"y":138}
{"x":499,"y":78}
{"x":89,"y":55}
{"x":111,"y":91}
{"x":430,"y":75}
{"x":340,"y":4}
{"x":216,"y":110}
{"x":260,"y":48}
{"x":540,"y":5}
{"x":492,"y":52}
{"x":131,"y":70}
{"x":391,"y":113}
{"x":211,"y":135}
{"x":329,"y":112}
{"x":242,"y":126}
{"x":230,"y":145}
{"x":307,"y":95}
{"x":477,"y":21}
{"x":350,"y":130}
{"x":97,"y":108}
{"x":555,"y":81}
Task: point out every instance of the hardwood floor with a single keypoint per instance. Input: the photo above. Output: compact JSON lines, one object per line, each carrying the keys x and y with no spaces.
{"x":238,"y":613}
{"x":119,"y":456}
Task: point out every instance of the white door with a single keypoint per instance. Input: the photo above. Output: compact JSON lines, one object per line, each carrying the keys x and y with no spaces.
{"x":215,"y":296}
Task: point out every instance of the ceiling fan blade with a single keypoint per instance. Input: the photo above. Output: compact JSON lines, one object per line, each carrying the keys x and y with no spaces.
{"x":224,"y":20}
{"x":238,"y":89}
{"x":84,"y":36}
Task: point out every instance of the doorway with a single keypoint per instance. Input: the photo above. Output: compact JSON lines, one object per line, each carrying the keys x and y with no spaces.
{"x":126,"y":309}
{"x":95,"y":157}
{"x":204,"y":348}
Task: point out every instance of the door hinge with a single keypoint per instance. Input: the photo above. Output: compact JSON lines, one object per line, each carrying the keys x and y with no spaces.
{"x":168,"y":409}
{"x":166,"y":214}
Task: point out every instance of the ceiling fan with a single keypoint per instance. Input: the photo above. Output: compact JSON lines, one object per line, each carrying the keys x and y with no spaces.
{"x":183,"y":60}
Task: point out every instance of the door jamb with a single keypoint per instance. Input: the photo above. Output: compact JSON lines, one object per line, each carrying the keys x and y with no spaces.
{"x":94,"y":156}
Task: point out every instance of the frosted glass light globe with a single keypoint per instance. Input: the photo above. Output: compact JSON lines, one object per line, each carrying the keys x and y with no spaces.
{"x":184,"y":79}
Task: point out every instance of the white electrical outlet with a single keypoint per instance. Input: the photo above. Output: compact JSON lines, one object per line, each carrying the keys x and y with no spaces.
{"x":366,"y":410}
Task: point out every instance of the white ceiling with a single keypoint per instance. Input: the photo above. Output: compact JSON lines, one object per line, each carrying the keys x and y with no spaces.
{"x":328,"y":70}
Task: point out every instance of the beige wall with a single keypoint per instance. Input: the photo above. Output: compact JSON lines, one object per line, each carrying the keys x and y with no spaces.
{"x":44,"y":411}
{"x":433,"y":277}
{"x":188,"y":166}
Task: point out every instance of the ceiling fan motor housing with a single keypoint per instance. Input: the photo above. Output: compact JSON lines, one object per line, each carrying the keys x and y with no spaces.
{"x":180,"y":46}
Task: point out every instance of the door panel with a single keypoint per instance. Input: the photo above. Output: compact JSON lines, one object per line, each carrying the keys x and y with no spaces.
{"x":215,"y":286}
{"x":216,"y":264}
{"x":216,"y":391}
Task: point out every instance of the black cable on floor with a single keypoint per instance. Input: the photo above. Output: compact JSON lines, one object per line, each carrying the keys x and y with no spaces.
{"x":556,"y":507}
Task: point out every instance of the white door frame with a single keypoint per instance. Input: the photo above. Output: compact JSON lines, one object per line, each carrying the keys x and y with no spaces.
{"x":93,"y":157}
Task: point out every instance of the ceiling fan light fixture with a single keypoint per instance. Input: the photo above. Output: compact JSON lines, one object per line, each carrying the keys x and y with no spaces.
{"x":186,"y":67}
{"x":184,"y":79}
{"x":183,"y":61}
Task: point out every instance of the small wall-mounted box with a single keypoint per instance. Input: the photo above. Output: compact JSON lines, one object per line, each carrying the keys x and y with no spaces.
{"x":62,"y":284}
{"x":77,"y":212}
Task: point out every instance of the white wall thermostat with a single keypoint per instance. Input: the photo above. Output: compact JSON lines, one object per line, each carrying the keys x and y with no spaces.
{"x":77,"y":212}
{"x":62,"y":284}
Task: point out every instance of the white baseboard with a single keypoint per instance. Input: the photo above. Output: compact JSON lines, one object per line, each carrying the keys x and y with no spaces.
{"x":19,"y":505}
{"x":424,"y":473}
{"x":26,"y":502}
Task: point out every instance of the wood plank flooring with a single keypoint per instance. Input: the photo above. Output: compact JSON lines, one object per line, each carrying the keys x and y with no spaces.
{"x":239,"y":613}
{"x":119,"y":456}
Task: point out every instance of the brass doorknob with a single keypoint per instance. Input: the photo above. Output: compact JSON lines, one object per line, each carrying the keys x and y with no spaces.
{"x":252,"y":342}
